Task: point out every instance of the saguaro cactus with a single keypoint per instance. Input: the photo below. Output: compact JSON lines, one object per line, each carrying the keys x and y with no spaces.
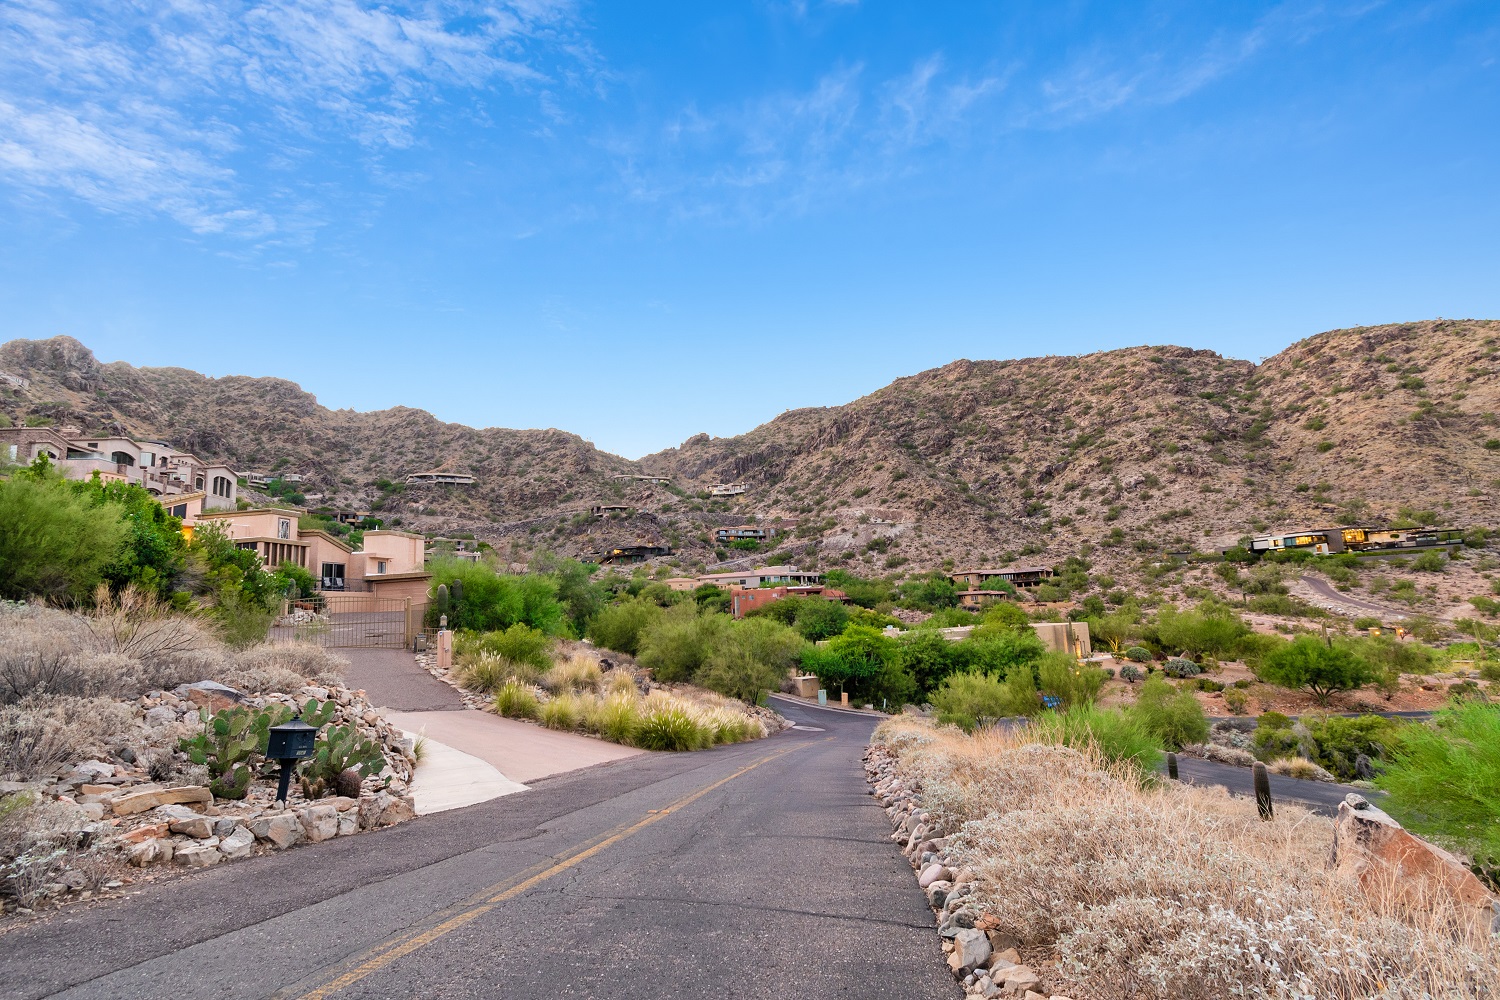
{"x":1263,"y":791}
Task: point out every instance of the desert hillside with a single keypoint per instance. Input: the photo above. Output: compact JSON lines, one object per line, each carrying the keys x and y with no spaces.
{"x":1141,"y":450}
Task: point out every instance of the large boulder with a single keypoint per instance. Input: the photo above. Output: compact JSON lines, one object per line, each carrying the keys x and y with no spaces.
{"x":280,"y":830}
{"x":1371,"y":846}
{"x":970,"y":950}
{"x":210,"y":695}
{"x":319,"y":823}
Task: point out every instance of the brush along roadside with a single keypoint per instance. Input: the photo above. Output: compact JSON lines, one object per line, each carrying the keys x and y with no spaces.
{"x":1047,"y":864}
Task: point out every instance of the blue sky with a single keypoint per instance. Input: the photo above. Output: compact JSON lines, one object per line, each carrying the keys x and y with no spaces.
{"x":641,"y":221}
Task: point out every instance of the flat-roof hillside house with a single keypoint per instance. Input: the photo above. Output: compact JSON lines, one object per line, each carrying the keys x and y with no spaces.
{"x":1326,"y":541}
{"x":388,"y":564}
{"x":437,"y":477}
{"x":1016,"y":576}
{"x":742,"y":601}
{"x":606,"y":509}
{"x":726,"y":490}
{"x":160,"y":469}
{"x":742,"y":533}
{"x":765,"y":576}
{"x":453,"y":548}
{"x":626,"y":554}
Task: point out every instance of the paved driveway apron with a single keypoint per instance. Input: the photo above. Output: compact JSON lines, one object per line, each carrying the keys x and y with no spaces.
{"x":755,"y":871}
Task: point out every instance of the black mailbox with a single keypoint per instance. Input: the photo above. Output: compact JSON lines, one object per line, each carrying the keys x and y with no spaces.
{"x":291,"y":741}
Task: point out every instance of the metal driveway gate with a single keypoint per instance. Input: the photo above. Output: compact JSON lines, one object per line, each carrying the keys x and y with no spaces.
{"x":346,"y":621}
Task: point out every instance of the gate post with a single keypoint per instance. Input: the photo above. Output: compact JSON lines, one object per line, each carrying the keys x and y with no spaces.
{"x":407,"y":639}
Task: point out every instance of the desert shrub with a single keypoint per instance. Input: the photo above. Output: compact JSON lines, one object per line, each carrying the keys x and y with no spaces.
{"x":241,"y":621}
{"x":619,"y":626}
{"x":1341,"y":741}
{"x":1172,"y":716}
{"x":1139,"y":654}
{"x":665,"y":727}
{"x":1298,"y":767}
{"x":736,"y":672}
{"x":494,"y":602}
{"x":1118,"y":738}
{"x":964,"y":699}
{"x":519,"y":643}
{"x":516,"y":700}
{"x":561,"y":711}
{"x":309,"y":663}
{"x":1444,"y":780}
{"x":41,"y":733}
{"x":1429,"y":562}
{"x":576,"y":674}
{"x":1237,"y":701}
{"x":1180,"y":668}
{"x":1205,"y":684}
{"x":1173,"y":891}
{"x":54,"y":543}
{"x":1064,"y":677}
{"x":1130,"y":674}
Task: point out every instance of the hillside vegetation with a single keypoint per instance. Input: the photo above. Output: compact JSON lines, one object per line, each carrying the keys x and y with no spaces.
{"x":1160,"y":448}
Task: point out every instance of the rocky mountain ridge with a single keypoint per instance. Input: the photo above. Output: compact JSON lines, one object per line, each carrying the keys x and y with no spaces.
{"x":1145,"y":449}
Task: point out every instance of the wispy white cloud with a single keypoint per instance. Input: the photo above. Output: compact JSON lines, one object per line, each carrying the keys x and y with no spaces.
{"x":790,"y":150}
{"x":153,"y":107}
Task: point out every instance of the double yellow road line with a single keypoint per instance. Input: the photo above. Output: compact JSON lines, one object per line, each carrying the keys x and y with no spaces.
{"x":383,"y":954}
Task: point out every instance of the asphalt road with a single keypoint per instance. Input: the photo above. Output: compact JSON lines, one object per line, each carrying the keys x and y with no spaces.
{"x":1329,"y":592}
{"x":761,"y":870}
{"x":392,"y":679}
{"x":1319,"y":796}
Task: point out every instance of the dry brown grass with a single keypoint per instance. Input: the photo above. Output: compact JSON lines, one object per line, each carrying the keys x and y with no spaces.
{"x":1163,"y":890}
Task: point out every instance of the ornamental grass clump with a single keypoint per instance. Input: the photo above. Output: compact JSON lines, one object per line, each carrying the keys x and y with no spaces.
{"x":515,"y":700}
{"x":561,"y":711}
{"x":670,"y":727}
{"x":1122,"y":886}
{"x":579,"y":673}
{"x":488,"y":672}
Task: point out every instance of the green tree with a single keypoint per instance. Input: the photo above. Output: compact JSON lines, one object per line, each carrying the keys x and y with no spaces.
{"x":929,"y":592}
{"x":753,"y":658}
{"x":1006,"y":615}
{"x":154,"y":552}
{"x":929,"y":658}
{"x":492,"y":601}
{"x":289,"y":575}
{"x":619,"y":626}
{"x":817,"y":618}
{"x":1320,"y":667}
{"x":1212,"y":628}
{"x":863,"y":592}
{"x":54,"y":543}
{"x":677,"y":645}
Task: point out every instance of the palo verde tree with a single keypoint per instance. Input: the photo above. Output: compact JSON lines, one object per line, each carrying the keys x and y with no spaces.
{"x":1316,"y":665}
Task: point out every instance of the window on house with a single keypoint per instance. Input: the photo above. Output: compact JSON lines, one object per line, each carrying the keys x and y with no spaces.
{"x":283,"y":528}
{"x":180,"y":510}
{"x":198,"y":483}
{"x":380,"y":566}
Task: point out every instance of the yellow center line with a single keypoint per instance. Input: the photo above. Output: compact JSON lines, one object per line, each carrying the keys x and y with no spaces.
{"x":389,"y":951}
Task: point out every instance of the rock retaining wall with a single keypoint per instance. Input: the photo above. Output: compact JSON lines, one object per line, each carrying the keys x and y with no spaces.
{"x":984,"y":960}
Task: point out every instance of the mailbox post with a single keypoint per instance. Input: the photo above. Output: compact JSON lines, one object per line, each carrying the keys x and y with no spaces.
{"x":291,"y":743}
